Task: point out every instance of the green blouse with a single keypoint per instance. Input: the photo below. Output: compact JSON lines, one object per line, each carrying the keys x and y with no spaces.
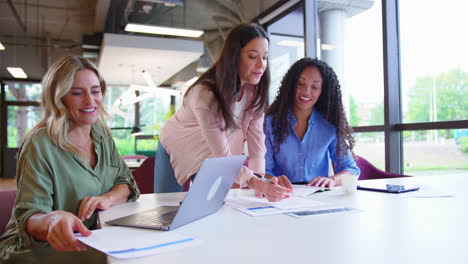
{"x":50,"y":179}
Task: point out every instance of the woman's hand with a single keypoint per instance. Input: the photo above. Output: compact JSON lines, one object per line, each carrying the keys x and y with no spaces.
{"x":282,"y":180}
{"x":117,"y":195}
{"x":57,"y":228}
{"x":90,"y":204}
{"x":272,"y":192}
{"x":320,"y":181}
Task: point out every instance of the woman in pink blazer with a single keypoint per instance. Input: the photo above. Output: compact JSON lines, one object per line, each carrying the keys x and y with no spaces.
{"x":223,"y":109}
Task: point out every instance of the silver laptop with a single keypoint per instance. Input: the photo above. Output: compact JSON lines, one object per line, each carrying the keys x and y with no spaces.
{"x":205,"y":196}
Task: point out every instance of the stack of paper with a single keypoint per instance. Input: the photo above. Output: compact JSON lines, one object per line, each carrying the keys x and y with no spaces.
{"x":126,"y":242}
{"x":254,"y":206}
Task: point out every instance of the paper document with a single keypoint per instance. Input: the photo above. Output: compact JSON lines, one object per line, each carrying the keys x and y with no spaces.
{"x":126,"y":242}
{"x":254,"y":206}
{"x":303,"y":190}
{"x":426,"y":192}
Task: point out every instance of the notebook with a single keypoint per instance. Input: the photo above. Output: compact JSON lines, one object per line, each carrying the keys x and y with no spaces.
{"x":205,"y":196}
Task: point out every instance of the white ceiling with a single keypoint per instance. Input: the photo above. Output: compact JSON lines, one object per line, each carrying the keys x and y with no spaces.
{"x":124,"y":57}
{"x":53,"y":28}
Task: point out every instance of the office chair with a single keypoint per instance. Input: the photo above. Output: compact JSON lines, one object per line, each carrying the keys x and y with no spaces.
{"x":370,"y":172}
{"x":7,"y":198}
{"x":144,"y":177}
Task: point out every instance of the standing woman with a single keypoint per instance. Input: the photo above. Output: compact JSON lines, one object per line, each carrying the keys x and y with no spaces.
{"x":68,"y":168}
{"x":306,"y":126}
{"x":223,"y":109}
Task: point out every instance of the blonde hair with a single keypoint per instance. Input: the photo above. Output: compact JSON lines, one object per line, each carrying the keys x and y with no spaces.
{"x":55,"y":84}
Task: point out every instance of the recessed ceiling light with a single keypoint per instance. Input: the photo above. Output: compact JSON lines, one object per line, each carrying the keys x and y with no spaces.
{"x":1,"y":46}
{"x":151,"y":29}
{"x":17,"y":72}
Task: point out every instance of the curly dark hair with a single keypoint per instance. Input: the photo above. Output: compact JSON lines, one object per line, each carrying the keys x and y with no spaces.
{"x":329,"y":104}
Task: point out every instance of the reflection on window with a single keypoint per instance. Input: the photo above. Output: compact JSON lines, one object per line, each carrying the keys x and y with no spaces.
{"x":363,"y":67}
{"x":20,"y":120}
{"x":284,"y":52}
{"x":286,"y":46}
{"x":153,"y":114}
{"x":371,"y":146}
{"x":434,"y":61}
{"x":435,"y":152}
{"x":22,"y":91}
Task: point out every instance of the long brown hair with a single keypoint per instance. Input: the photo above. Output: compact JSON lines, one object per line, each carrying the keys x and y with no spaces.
{"x":223,"y":77}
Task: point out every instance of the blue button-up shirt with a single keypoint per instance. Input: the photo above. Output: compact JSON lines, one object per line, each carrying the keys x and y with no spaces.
{"x":303,"y":160}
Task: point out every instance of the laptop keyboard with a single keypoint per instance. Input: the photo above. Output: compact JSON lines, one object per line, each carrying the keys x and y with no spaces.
{"x":159,"y":220}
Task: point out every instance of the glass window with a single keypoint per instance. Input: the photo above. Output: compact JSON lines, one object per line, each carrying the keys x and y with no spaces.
{"x":154,"y":113}
{"x":124,"y":141}
{"x":371,"y":146}
{"x":435,"y":152}
{"x":20,"y":120}
{"x":286,"y":46}
{"x":363,"y":84}
{"x":284,"y":52}
{"x":22,"y":91}
{"x":434,"y":61}
{"x":146,"y":146}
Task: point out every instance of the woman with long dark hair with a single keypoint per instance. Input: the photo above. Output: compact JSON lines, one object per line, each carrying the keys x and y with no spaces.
{"x":221,"y":110}
{"x":306,"y":126}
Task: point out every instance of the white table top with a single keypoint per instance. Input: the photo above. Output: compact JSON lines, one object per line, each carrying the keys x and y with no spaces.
{"x":389,"y":229}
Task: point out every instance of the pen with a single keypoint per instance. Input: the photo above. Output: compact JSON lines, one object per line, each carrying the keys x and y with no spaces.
{"x":264,"y":179}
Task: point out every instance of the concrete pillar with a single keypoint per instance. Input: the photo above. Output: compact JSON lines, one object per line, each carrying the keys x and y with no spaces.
{"x":332,"y":29}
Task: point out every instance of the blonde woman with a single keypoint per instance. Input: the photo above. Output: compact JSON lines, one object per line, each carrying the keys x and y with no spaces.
{"x":68,"y":168}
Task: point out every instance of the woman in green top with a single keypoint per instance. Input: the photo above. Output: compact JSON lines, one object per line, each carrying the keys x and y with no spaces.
{"x":68,"y":168}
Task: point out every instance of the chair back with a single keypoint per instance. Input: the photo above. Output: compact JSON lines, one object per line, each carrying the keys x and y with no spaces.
{"x":7,"y":202}
{"x":144,"y":176}
{"x":370,"y":172}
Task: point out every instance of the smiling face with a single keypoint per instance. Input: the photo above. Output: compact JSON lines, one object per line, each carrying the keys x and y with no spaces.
{"x":253,"y":61}
{"x":308,"y":89}
{"x":84,"y":100}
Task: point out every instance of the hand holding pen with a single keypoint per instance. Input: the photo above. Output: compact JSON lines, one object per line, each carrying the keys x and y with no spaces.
{"x":269,"y":188}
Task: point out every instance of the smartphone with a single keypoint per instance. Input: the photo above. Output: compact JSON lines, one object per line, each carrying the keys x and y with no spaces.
{"x":389,"y":188}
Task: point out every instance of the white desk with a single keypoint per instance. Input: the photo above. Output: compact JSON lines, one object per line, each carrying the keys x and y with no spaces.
{"x":390,"y":229}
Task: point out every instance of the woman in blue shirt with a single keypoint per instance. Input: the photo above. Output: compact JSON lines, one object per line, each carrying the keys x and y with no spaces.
{"x":306,"y":126}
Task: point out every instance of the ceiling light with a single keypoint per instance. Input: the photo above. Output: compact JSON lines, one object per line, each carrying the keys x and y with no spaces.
{"x":17,"y":72}
{"x":1,"y":46}
{"x":151,"y":29}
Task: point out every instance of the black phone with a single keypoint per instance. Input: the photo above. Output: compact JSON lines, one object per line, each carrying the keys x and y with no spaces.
{"x":389,"y":188}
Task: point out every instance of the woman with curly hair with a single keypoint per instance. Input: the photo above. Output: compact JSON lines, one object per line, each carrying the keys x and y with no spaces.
{"x":306,"y":126}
